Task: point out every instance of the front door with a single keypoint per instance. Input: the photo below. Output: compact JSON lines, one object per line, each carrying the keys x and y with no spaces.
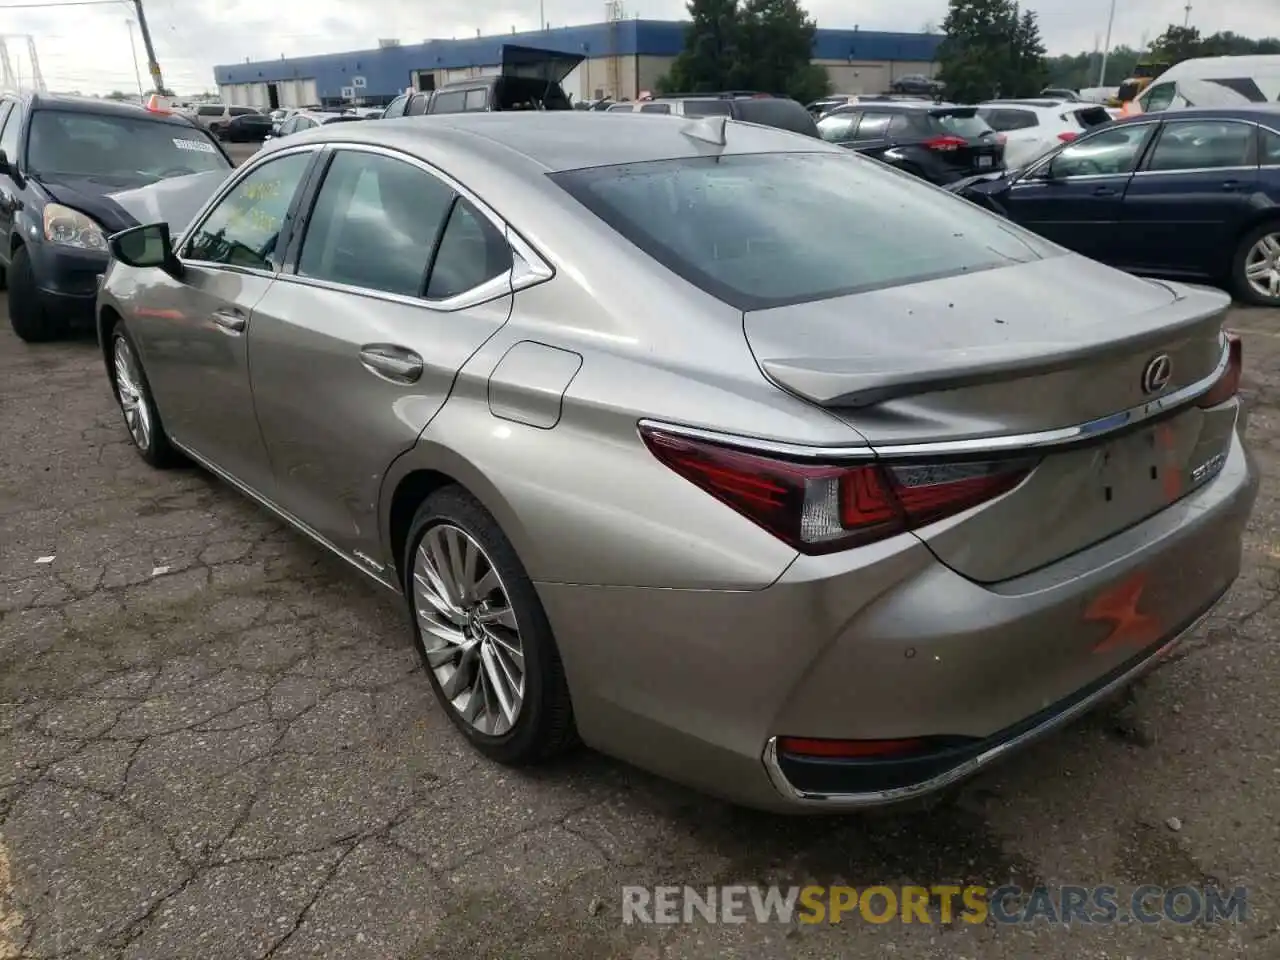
{"x":1075,"y":197}
{"x":356,"y":348}
{"x":197,"y":328}
{"x":10,"y":128}
{"x":1191,"y":199}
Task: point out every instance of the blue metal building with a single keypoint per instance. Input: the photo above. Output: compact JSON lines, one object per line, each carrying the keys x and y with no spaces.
{"x":624,"y":57}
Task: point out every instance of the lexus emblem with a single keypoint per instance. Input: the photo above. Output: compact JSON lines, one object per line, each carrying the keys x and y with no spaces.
{"x":1157,"y":374}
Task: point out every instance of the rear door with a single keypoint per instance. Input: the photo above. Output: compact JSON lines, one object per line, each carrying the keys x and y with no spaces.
{"x":1021,"y":129}
{"x":872,"y":136}
{"x":397,"y":281}
{"x":1191,"y":198}
{"x":1075,"y":197}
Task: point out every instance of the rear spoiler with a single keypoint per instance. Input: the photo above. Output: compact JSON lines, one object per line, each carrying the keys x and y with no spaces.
{"x":852,"y":382}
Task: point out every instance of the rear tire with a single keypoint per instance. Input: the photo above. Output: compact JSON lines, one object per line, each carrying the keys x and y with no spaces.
{"x":1255,"y":268}
{"x":466,"y":637}
{"x":27,"y":315}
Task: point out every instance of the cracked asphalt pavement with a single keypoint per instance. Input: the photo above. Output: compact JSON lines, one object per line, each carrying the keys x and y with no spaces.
{"x":216,"y":742}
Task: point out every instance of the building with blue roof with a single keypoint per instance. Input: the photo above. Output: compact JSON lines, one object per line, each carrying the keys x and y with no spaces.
{"x":623,"y":59}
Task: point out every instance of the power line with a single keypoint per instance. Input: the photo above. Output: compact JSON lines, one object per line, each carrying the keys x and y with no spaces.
{"x":55,"y":6}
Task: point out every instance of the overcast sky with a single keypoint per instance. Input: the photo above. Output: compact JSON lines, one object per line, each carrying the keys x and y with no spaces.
{"x":86,"y":47}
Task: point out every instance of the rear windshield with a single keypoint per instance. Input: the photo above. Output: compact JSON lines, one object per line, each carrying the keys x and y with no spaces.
{"x":962,"y":123}
{"x":765,"y":230}
{"x":707,"y":108}
{"x":1092,"y":116}
{"x":130,"y":151}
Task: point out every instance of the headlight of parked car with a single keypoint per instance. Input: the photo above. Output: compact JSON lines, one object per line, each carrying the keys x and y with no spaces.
{"x":71,"y":228}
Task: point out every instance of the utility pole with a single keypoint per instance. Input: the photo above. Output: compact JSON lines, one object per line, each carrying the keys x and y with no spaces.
{"x":1186,"y":19}
{"x":133,"y":47}
{"x":153,"y":65}
{"x":1106,"y":50}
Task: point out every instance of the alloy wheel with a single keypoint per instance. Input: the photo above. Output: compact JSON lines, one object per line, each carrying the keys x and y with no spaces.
{"x":132,"y":394}
{"x":1262,"y":266}
{"x":469,"y":633}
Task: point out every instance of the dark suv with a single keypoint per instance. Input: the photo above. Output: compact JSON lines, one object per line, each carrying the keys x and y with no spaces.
{"x":940,"y":144}
{"x":528,"y":79}
{"x":761,"y":108}
{"x":63,"y":160}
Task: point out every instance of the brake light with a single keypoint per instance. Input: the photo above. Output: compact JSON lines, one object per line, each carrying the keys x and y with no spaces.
{"x":824,"y":508}
{"x":946,"y":142}
{"x":1228,"y":384}
{"x":1066,"y":136}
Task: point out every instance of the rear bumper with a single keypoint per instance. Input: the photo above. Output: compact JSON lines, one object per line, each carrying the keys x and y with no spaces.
{"x":882,"y":643}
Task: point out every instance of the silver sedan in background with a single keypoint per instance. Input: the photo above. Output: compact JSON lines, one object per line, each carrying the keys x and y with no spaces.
{"x":740,"y":457}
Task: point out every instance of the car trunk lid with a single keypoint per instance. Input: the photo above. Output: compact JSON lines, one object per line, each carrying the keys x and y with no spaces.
{"x":963,"y":139}
{"x":986,"y":365}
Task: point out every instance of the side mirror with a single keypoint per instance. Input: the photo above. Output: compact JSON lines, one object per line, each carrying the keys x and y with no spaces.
{"x":146,"y":246}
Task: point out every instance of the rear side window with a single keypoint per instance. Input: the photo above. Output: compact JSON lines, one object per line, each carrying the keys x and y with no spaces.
{"x":1090,"y":117}
{"x":1270,"y":149}
{"x":475,"y":100}
{"x":966,"y":124}
{"x":1204,"y":144}
{"x":655,"y":108}
{"x":374,"y":224}
{"x":620,"y":108}
{"x":874,"y":126}
{"x":1006,"y":120}
{"x":452,"y":102}
{"x":765,"y":230}
{"x":472,"y":251}
{"x":210,"y":111}
{"x":707,"y":108}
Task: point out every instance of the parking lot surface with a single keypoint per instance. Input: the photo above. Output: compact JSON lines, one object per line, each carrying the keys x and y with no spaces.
{"x":216,"y":742}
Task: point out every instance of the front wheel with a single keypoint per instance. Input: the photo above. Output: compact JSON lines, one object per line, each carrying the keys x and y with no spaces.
{"x":483,"y":635}
{"x":1256,"y":267}
{"x":133,"y":394}
{"x":27,"y":315}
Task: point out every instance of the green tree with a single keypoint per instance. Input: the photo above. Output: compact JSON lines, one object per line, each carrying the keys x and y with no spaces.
{"x":710,"y":54}
{"x":1030,"y":68}
{"x":776,"y":51}
{"x":762,"y":45}
{"x":977,"y":55}
{"x":116,"y":95}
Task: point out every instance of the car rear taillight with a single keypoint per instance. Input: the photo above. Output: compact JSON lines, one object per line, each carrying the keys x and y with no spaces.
{"x":824,"y":508}
{"x":848,"y":749}
{"x":1066,"y":136}
{"x":1228,"y":384}
{"x":946,"y":142}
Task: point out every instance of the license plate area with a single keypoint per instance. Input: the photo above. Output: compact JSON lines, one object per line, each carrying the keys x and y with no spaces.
{"x":1146,"y":467}
{"x":983,"y":163}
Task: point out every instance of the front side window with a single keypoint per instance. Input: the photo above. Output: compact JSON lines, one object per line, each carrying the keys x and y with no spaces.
{"x":1158,"y":98}
{"x":1203,"y":144}
{"x":472,"y":251}
{"x":1113,"y":152}
{"x":10,"y":141}
{"x":395,"y":108}
{"x":768,"y":229}
{"x":209,"y":111}
{"x":242,"y":111}
{"x":375,"y":224}
{"x":128,"y":151}
{"x":243,"y":230}
{"x":655,"y":108}
{"x":475,"y":100}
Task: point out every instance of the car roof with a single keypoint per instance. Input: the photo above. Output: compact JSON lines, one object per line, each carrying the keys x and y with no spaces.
{"x":531,"y":143}
{"x":1261,"y":113}
{"x":98,"y":107}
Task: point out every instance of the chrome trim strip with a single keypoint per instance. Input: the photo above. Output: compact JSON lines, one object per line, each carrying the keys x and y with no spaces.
{"x":491,"y":289}
{"x":1039,"y":440}
{"x":875,"y":798}
{"x":289,"y":518}
{"x":1200,"y":170}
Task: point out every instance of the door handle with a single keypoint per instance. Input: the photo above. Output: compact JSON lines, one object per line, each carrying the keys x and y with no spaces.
{"x":390,"y":362}
{"x":1230,"y":185}
{"x":229,"y":321}
{"x":1104,"y":192}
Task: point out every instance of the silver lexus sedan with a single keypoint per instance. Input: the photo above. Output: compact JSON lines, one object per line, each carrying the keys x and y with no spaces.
{"x":738,"y":456}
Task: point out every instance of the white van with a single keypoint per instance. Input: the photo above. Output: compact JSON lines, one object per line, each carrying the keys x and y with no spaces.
{"x":1214,"y":82}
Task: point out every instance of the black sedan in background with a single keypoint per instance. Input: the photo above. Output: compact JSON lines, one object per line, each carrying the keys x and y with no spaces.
{"x":1189,"y":194}
{"x":65,"y":162}
{"x":940,"y":144}
{"x":246,"y":128}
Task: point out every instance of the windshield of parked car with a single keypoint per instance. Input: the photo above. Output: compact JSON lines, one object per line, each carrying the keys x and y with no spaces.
{"x":765,"y":230}
{"x":129,"y":151}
